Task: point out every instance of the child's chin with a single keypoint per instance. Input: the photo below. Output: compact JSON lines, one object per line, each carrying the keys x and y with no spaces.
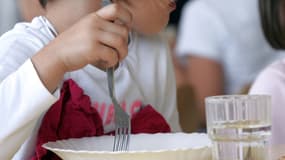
{"x":150,"y":31}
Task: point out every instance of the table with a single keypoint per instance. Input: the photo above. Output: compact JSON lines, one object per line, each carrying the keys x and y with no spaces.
{"x":277,"y":151}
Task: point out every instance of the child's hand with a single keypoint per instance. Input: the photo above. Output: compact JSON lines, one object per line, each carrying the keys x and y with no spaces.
{"x":100,"y":39}
{"x":96,"y":39}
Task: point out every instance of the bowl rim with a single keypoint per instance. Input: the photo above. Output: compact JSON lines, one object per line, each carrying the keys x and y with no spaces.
{"x":182,"y":149}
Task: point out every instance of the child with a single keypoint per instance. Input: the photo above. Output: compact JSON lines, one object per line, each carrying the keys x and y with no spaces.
{"x":78,"y":40}
{"x":272,"y":80}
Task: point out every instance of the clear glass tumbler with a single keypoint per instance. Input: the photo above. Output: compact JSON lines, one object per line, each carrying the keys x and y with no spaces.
{"x":239,"y":126}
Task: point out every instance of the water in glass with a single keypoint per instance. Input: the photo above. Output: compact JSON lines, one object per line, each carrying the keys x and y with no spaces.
{"x":239,"y":126}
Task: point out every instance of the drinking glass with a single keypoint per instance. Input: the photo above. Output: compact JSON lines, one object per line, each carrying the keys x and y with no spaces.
{"x":239,"y":126}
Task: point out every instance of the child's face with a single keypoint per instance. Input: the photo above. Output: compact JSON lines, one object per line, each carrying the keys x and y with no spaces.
{"x":149,"y":16}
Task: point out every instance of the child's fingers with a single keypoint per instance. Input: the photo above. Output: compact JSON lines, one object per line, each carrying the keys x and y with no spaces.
{"x":115,"y":12}
{"x":115,"y":41}
{"x":119,"y":29}
{"x":108,"y":57}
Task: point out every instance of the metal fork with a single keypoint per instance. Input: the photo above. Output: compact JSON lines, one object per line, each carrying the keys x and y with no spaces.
{"x":122,"y":119}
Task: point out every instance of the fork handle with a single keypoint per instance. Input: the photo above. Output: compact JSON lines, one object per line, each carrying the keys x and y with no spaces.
{"x":110,"y":79}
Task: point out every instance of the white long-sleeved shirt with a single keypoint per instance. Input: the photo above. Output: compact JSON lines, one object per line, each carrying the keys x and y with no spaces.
{"x":144,"y":77}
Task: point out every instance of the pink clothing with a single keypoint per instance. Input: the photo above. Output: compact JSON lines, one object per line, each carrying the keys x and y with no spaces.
{"x":272,"y":82}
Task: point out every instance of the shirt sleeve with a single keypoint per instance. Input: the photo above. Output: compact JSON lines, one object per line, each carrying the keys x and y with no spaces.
{"x":201,"y":32}
{"x":271,"y":82}
{"x":23,"y":100}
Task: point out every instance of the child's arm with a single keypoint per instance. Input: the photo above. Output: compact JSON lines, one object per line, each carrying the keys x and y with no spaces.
{"x":23,"y":100}
{"x":22,"y":95}
{"x":94,"y":40}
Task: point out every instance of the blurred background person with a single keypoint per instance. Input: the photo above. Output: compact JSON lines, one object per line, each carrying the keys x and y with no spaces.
{"x":184,"y":91}
{"x":13,"y":11}
{"x":9,"y":15}
{"x":221,"y":45}
{"x":271,"y":81}
{"x":171,"y":32}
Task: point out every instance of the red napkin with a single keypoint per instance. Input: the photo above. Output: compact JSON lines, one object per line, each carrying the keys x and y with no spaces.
{"x":148,"y":120}
{"x":70,"y":117}
{"x":73,"y":117}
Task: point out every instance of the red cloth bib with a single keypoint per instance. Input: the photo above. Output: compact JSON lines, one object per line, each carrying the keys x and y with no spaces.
{"x":73,"y":117}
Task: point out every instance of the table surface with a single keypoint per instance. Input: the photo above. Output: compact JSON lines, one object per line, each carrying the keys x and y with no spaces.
{"x":277,"y":152}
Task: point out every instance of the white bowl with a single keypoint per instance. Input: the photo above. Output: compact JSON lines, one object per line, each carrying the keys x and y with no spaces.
{"x":161,"y":146}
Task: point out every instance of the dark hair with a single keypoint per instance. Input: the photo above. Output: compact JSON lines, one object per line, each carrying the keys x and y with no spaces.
{"x":272,"y":14}
{"x":43,"y":3}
